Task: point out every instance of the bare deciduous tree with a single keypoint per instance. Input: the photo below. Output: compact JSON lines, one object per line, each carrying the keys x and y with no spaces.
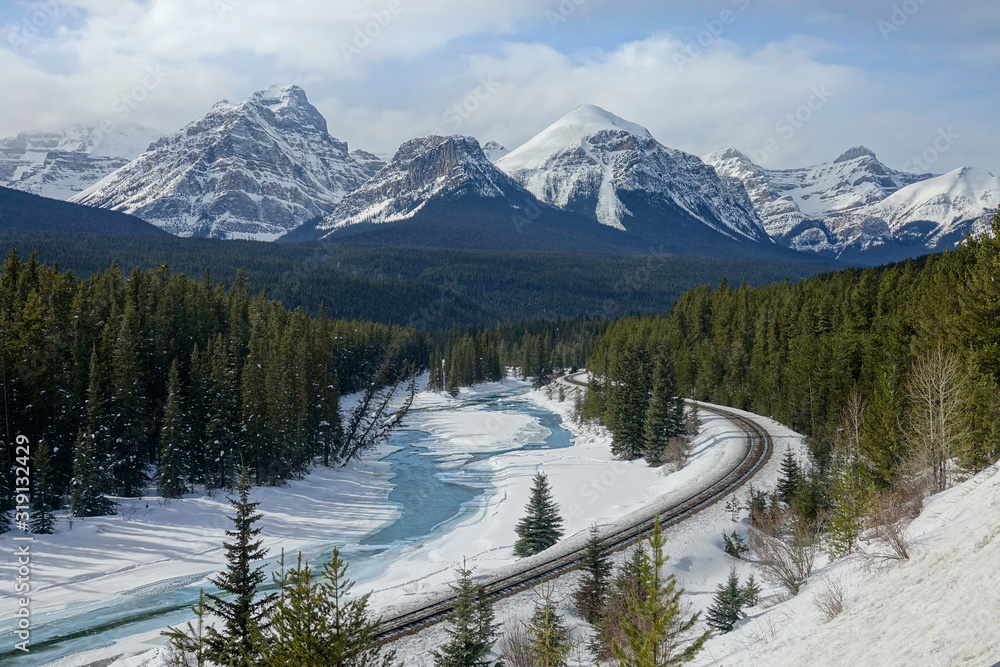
{"x":784,"y":562}
{"x":515,"y":646}
{"x":889,"y":515}
{"x":937,"y":425}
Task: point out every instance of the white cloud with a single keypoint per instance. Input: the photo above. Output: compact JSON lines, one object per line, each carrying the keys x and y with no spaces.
{"x":723,"y":97}
{"x":431,"y":55}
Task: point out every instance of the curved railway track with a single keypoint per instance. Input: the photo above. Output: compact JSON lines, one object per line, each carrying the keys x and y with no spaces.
{"x":758,"y":453}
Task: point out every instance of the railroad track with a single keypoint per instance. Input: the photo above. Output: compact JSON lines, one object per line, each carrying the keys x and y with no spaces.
{"x":758,"y":453}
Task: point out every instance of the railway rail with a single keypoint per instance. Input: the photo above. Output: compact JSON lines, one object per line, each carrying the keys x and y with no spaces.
{"x":758,"y":453}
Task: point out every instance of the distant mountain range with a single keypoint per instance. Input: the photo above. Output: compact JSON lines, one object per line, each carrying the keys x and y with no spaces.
{"x":267,"y":168}
{"x":61,"y":164}
{"x":856,"y":208}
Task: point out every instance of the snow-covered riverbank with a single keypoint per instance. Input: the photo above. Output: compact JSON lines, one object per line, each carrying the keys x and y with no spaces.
{"x":488,"y":438}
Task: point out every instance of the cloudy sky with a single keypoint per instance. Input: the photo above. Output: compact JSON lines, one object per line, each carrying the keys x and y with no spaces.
{"x":789,"y":82}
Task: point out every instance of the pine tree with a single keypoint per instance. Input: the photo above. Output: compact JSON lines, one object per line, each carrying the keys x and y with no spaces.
{"x":296,"y":633}
{"x":90,"y":474}
{"x":189,"y":645}
{"x":313,"y":621}
{"x":126,"y":410}
{"x":665,"y":415}
{"x":472,"y":632}
{"x":549,"y":638}
{"x":242,"y":615}
{"x":789,"y":479}
{"x":351,"y":632}
{"x":628,"y":393}
{"x":542,"y":526}
{"x":653,"y":625}
{"x":592,"y":593}
{"x":727,"y":605}
{"x":172,"y":439}
{"x":43,"y":494}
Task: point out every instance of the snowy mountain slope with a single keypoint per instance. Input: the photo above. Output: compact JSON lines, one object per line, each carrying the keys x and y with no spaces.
{"x":58,"y":165}
{"x":422,"y":169}
{"x":494,"y":151}
{"x":595,"y":163}
{"x":937,"y":609}
{"x":941,"y":210}
{"x":443,"y":191}
{"x":250,"y":170}
{"x":857,"y":206}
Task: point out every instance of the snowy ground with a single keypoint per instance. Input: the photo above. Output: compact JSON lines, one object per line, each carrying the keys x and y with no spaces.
{"x":99,"y":559}
{"x":695,"y":546}
{"x":938,"y":609}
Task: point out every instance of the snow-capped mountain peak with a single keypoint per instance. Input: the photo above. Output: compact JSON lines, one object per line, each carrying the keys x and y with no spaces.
{"x":255,"y":169}
{"x":593,"y":162}
{"x":855,"y":153}
{"x":290,"y":106}
{"x":963,"y":200}
{"x":569,"y":132}
{"x":494,"y":151}
{"x":856,"y":204}
{"x":423,"y":169}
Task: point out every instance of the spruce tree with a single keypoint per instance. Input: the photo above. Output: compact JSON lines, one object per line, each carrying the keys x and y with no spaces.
{"x":849,"y":503}
{"x":591,"y":595}
{"x":542,"y":526}
{"x":881,"y":439}
{"x":751,"y":592}
{"x":664,"y":417}
{"x":628,"y":391}
{"x":727,"y":605}
{"x":789,"y":479}
{"x":242,"y":615}
{"x":90,"y":455}
{"x":86,"y":495}
{"x":653,"y":625}
{"x":126,"y":412}
{"x":548,"y":637}
{"x":43,"y":495}
{"x":220,"y":433}
{"x":189,"y":645}
{"x":350,"y":629}
{"x":472,"y":632}
{"x":172,"y":439}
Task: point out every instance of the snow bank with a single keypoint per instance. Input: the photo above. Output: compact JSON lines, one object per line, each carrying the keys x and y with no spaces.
{"x":938,"y":608}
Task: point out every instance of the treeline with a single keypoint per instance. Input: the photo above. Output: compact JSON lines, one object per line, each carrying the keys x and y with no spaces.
{"x":108,"y":376}
{"x":538,"y":349}
{"x":429,"y":288}
{"x":867,"y":346}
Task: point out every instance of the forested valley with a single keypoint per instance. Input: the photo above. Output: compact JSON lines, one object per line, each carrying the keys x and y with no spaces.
{"x":891,"y":372}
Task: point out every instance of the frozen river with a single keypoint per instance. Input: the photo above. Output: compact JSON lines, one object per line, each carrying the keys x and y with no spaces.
{"x":439,"y":479}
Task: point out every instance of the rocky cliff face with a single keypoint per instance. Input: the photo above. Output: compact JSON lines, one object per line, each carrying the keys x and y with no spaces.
{"x":424,"y":170}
